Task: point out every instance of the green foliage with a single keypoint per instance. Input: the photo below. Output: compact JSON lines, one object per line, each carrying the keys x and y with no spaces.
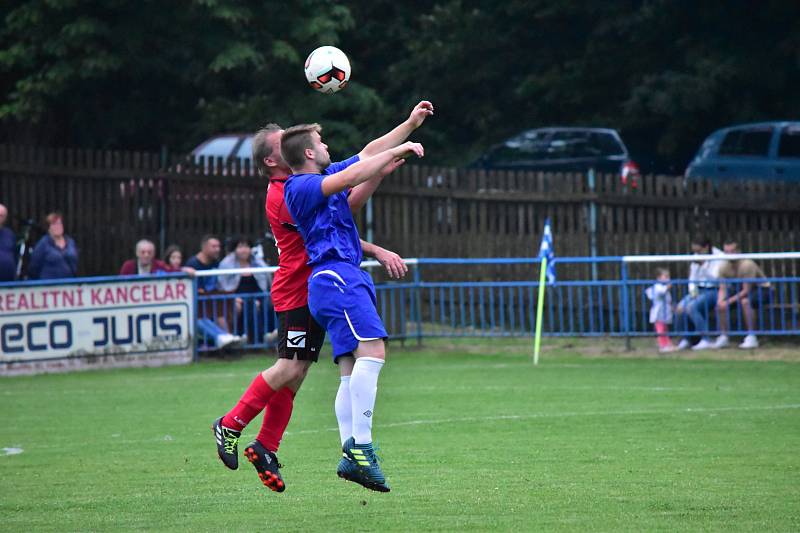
{"x":123,"y":74}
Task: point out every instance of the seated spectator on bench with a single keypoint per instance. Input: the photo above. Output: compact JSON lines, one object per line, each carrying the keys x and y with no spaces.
{"x":251,"y":313}
{"x":216,"y":331}
{"x":55,"y":256}
{"x":145,"y":262}
{"x":749,"y":295}
{"x":8,"y":262}
{"x":703,"y":287}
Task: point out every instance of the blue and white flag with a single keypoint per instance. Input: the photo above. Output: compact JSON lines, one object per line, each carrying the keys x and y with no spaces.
{"x":546,"y":250}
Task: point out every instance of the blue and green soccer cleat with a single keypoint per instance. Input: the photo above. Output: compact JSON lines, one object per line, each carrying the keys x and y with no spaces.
{"x":360,"y":465}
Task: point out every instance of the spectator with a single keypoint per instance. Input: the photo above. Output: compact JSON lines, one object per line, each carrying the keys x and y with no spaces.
{"x":702,"y":297}
{"x":215,"y":330}
{"x":251,"y":313}
{"x":661,"y":310}
{"x":55,"y":256}
{"x":145,"y":262}
{"x":173,"y":258}
{"x":8,"y":263}
{"x":206,"y":259}
{"x":748,"y":294}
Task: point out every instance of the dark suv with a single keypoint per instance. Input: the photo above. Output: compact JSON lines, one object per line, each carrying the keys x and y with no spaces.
{"x":563,"y":150}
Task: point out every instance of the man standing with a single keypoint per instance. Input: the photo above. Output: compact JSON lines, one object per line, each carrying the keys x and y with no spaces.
{"x":341,"y":297}
{"x":747,"y":292}
{"x":300,"y":337}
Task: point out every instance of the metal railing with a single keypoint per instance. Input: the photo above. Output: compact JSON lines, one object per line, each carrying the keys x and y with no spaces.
{"x":415,"y":308}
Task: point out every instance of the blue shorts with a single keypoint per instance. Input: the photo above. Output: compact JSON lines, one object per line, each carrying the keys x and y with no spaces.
{"x":341,"y":298}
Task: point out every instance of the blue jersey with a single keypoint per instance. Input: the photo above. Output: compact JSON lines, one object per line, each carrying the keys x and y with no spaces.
{"x":326,"y":223}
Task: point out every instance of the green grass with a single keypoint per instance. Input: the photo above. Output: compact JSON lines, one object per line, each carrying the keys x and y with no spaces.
{"x":473,"y":437}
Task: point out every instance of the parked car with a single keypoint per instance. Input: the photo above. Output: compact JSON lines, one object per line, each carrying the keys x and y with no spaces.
{"x":563,"y":150}
{"x":763,"y":151}
{"x":226,"y":147}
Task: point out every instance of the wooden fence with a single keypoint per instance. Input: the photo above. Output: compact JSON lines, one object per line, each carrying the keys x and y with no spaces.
{"x":112,"y":199}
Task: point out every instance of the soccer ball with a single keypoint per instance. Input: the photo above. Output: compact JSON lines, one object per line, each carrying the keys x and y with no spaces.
{"x":327,"y":69}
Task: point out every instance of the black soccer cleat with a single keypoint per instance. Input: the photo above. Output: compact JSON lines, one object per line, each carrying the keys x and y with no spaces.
{"x":227,"y":444}
{"x":266,"y":464}
{"x":360,"y":465}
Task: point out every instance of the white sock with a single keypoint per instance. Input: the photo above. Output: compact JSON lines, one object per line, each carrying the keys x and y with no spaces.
{"x":344,"y":409}
{"x":363,"y":389}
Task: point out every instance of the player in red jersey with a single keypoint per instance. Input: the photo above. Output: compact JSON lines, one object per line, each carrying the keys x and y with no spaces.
{"x":300,"y":338}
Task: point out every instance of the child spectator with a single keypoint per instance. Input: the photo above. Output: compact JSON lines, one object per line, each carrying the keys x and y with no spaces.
{"x":661,"y":309}
{"x":55,"y":256}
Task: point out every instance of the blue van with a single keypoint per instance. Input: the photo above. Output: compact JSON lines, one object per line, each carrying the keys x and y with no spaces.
{"x":761,"y":151}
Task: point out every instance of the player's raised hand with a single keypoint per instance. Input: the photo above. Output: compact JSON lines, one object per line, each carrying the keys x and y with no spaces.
{"x":391,"y":166}
{"x":407,"y":149}
{"x":421,"y":111}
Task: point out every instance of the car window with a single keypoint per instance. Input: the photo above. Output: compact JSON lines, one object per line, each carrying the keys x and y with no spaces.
{"x":574,"y":144}
{"x":246,"y":149}
{"x":218,"y":147}
{"x":790,"y":142}
{"x":549,"y":145}
{"x":746,"y":142}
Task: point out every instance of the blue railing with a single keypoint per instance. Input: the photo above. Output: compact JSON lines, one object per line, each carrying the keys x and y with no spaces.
{"x":476,"y":298}
{"x":458,"y":306}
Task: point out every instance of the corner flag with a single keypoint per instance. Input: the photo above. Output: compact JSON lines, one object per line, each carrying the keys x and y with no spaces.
{"x":546,"y":250}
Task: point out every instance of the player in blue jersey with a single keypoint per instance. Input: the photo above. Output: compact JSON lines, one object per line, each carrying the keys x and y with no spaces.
{"x":341,"y":296}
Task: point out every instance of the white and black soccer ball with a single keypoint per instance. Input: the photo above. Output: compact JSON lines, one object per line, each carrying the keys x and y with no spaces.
{"x":327,"y":69}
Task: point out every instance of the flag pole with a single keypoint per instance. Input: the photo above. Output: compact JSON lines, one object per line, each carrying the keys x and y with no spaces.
{"x":537,"y":339}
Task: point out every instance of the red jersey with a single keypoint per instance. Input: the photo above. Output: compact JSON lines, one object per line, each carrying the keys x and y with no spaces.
{"x":290,"y":284}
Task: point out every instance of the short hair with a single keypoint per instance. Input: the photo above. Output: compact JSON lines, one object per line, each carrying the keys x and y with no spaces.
{"x":207,"y":237}
{"x":662,"y":272}
{"x":145,"y":241}
{"x":262,"y":148}
{"x":294,"y":143}
{"x":730,"y":240}
{"x":171,"y":249}
{"x":702,"y":239}
{"x":51,"y":218}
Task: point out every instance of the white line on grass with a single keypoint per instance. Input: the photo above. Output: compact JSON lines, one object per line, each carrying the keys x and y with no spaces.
{"x":528,"y":416}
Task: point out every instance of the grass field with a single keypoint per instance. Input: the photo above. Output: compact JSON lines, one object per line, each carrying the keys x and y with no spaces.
{"x":472,"y":435}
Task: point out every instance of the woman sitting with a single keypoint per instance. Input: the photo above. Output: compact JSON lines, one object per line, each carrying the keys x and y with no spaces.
{"x":253,"y":311}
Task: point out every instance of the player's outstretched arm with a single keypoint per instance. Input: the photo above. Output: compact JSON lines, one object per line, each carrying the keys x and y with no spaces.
{"x":360,"y":193}
{"x":400,"y":133}
{"x":367,"y":168}
{"x":392,"y":262}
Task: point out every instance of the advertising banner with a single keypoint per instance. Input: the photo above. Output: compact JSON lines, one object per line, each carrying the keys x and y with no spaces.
{"x":90,"y":324}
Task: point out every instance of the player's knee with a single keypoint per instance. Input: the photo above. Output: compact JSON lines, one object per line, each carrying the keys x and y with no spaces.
{"x":375,"y":348}
{"x":296,"y":371}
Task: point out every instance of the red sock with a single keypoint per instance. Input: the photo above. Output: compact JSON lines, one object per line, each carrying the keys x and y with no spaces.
{"x":276,"y":418}
{"x":251,"y":403}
